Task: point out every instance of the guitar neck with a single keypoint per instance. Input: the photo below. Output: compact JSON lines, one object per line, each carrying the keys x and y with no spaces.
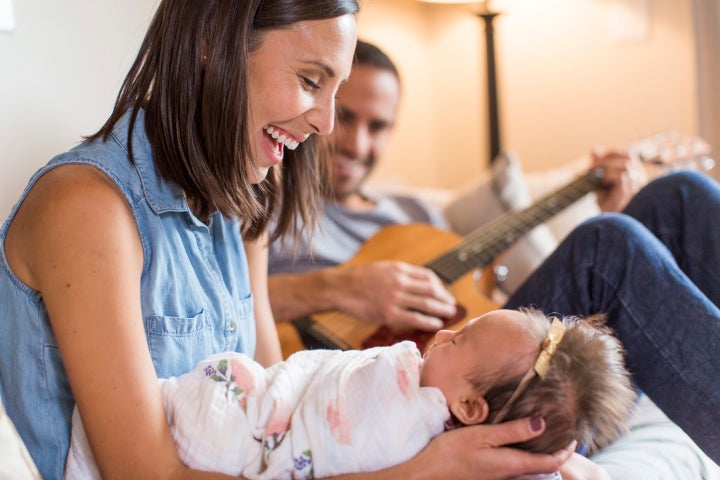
{"x":480,"y":247}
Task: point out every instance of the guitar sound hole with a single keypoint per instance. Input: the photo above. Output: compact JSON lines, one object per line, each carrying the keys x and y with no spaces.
{"x":385,"y":335}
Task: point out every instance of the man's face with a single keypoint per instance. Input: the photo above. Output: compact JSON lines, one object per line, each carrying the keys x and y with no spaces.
{"x":366,"y":108}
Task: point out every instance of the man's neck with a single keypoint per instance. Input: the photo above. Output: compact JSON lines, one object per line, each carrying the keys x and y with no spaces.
{"x":356,"y":202}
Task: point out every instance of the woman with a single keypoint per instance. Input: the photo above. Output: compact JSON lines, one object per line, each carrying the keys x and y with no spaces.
{"x":143,"y":250}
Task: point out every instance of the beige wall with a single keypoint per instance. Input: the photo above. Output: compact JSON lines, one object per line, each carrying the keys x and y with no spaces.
{"x":566,"y":82}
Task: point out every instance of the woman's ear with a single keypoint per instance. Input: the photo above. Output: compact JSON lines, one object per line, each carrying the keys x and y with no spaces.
{"x":470,"y":409}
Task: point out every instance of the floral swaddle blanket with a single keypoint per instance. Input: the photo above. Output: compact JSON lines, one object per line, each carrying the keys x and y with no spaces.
{"x":319,"y":413}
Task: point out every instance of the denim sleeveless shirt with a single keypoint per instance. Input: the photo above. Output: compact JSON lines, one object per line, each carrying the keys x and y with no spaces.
{"x":195,"y":296}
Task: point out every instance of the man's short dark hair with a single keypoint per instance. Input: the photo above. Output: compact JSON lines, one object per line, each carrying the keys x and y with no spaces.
{"x":370,"y":55}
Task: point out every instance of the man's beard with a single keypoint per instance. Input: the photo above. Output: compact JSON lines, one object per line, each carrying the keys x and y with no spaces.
{"x":341,"y":194}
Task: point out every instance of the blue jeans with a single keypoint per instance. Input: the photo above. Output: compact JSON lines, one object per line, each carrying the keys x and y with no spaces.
{"x":655,"y":271}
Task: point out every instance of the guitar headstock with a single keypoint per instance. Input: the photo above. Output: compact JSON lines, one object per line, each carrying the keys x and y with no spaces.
{"x":670,"y":150}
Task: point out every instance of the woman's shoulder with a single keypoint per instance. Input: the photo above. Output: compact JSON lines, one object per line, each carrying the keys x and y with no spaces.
{"x":60,"y":211}
{"x":71,"y":189}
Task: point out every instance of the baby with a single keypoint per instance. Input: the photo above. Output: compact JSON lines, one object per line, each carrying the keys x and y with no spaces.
{"x":328,"y":412}
{"x":511,"y":364}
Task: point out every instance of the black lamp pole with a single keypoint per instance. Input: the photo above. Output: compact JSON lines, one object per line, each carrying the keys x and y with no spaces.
{"x":493,"y":116}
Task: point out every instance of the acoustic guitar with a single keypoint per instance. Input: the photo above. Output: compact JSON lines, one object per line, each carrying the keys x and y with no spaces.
{"x":451,"y":257}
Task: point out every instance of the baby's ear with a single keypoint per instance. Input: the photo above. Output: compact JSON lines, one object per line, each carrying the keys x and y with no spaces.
{"x":470,"y":409}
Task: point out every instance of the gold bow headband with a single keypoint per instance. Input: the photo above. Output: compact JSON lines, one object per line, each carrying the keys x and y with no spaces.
{"x":540,"y":368}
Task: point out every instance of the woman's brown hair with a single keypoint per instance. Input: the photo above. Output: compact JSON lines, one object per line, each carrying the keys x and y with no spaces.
{"x":191,"y":78}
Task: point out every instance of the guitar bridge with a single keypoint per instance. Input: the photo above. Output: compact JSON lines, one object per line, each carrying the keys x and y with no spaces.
{"x":315,"y":336}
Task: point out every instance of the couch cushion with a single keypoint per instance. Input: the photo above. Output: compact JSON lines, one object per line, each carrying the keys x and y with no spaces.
{"x":487,"y":198}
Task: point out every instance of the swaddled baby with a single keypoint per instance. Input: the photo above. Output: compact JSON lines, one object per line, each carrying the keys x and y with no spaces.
{"x":329,"y":412}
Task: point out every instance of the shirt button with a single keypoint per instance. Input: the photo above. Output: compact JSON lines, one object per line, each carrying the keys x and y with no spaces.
{"x":232,"y":325}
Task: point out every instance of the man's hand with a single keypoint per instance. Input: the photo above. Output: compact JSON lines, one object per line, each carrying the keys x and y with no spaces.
{"x":624,"y":177}
{"x":395,"y":294}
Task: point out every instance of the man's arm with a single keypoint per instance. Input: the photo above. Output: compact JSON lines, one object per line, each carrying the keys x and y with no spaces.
{"x":385,"y":292}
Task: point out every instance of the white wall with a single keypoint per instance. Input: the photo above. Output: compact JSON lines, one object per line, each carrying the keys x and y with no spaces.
{"x":59,"y":73}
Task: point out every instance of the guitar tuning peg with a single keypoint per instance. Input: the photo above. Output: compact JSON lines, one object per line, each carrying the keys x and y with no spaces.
{"x":501,"y":273}
{"x":705,"y":162}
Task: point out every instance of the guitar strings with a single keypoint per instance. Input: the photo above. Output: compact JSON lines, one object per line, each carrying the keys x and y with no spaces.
{"x":482,"y":246}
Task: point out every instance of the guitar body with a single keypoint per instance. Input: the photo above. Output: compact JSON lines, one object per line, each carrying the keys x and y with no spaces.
{"x":415,"y":244}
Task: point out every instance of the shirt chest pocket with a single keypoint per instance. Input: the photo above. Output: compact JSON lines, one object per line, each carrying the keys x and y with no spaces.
{"x":177,"y":343}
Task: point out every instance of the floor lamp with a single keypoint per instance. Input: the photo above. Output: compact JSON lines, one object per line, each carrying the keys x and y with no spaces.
{"x":487,"y":16}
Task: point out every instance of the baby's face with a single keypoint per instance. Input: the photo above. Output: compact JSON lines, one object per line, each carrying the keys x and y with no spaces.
{"x":498,"y":344}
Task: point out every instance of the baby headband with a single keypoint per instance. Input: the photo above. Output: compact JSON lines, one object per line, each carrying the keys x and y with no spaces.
{"x":540,"y":368}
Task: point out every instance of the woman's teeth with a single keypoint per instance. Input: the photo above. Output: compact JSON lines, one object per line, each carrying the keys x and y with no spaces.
{"x":289,"y":143}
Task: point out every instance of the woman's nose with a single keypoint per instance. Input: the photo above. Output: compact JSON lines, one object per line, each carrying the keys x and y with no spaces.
{"x":322,"y":116}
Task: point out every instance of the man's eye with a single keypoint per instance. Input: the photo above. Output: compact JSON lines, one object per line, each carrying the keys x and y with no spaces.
{"x":377,"y":127}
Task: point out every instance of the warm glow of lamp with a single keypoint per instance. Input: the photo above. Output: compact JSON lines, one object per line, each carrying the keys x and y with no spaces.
{"x":488,"y":16}
{"x":484,"y":4}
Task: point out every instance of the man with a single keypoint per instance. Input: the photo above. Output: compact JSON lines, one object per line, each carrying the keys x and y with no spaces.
{"x":305,"y":278}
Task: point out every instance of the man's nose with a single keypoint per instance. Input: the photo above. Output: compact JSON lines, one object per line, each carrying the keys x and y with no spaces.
{"x":354,"y":139}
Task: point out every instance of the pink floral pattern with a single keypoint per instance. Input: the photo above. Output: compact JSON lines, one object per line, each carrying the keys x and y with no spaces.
{"x":278,"y":424}
{"x":338,"y":419}
{"x":220,"y":373}
{"x":243,"y":379}
{"x":407,"y":373}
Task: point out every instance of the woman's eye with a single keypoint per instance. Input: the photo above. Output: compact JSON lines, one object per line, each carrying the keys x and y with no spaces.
{"x":310,"y":83}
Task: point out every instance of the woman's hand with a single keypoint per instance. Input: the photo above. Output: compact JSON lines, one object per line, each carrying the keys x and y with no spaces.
{"x":478,"y":452}
{"x":581,"y":468}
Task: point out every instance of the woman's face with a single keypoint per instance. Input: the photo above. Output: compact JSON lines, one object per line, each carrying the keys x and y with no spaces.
{"x":294,"y":76}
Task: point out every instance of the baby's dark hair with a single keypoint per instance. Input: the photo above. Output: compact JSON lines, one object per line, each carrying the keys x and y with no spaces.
{"x":586,"y":395}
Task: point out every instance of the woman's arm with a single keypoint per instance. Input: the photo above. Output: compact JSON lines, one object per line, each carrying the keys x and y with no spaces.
{"x":267,"y":350}
{"x":75,"y":240}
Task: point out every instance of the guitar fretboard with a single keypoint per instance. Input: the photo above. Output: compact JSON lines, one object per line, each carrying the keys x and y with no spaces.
{"x":482,"y":246}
